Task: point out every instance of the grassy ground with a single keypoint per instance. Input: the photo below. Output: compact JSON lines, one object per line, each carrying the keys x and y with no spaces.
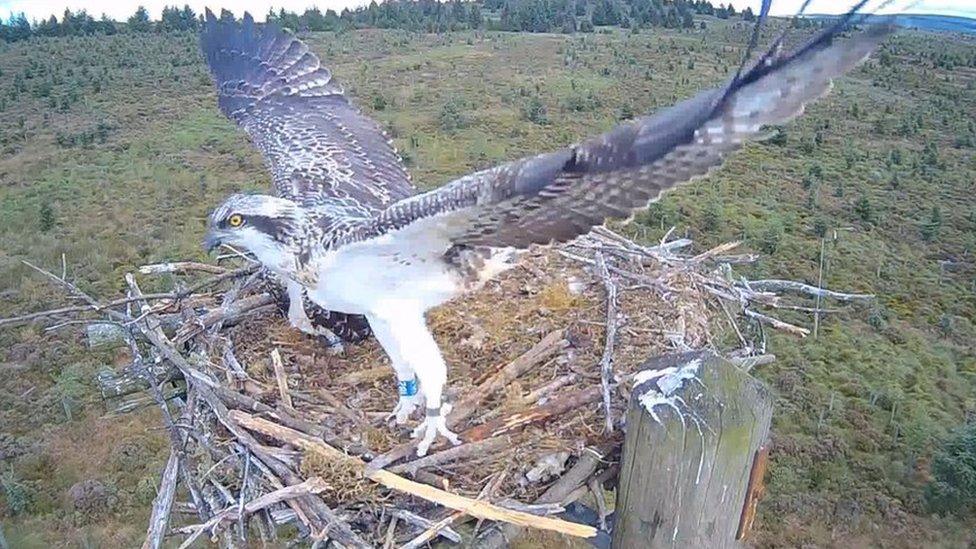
{"x":112,"y":150}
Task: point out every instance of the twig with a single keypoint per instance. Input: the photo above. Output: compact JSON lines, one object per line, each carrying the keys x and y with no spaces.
{"x":181,"y":267}
{"x":539,"y":353}
{"x":747,"y":363}
{"x":776,"y":285}
{"x":433,"y":531}
{"x":453,"y":453}
{"x":94,"y":306}
{"x":314,"y":485}
{"x":541,"y":394}
{"x":422,"y":522}
{"x":555,"y":407}
{"x":559,"y":492}
{"x":163,"y":503}
{"x":777,"y":323}
{"x":282,"y":379}
{"x":472,"y":507}
{"x":606,"y":361}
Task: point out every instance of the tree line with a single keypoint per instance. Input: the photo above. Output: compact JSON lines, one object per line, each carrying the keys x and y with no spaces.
{"x":411,"y":15}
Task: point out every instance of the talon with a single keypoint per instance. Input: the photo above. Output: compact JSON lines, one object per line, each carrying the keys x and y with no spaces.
{"x":434,"y":424}
{"x":404,"y":408}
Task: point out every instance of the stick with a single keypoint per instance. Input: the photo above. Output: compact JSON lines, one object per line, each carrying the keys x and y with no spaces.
{"x":813,"y":291}
{"x":94,"y":306}
{"x":540,"y":352}
{"x":433,"y":531}
{"x":453,"y":453}
{"x":229,"y":314}
{"x":281,"y":377}
{"x":559,"y":493}
{"x":517,"y":420}
{"x":469,"y":506}
{"x":606,"y":361}
{"x":542,"y":393}
{"x":181,"y":267}
{"x":163,"y":503}
{"x":747,"y":363}
{"x":418,"y":520}
{"x":311,"y":511}
{"x":777,"y":323}
{"x":312,"y":486}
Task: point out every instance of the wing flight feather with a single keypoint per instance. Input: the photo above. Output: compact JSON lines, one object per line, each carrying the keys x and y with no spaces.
{"x":316,"y":143}
{"x":557,"y":196}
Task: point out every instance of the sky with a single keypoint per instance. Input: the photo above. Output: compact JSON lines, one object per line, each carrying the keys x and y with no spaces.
{"x":122,"y":9}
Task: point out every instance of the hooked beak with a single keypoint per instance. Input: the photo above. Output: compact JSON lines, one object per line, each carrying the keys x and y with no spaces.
{"x":211,"y":242}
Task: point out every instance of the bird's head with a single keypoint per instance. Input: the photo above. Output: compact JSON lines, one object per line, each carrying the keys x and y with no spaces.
{"x":268,"y":226}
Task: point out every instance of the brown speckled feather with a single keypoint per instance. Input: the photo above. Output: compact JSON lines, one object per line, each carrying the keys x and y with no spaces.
{"x":317,"y":145}
{"x":557,"y":196}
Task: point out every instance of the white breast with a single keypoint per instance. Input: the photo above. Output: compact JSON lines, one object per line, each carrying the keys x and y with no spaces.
{"x":405,"y":266}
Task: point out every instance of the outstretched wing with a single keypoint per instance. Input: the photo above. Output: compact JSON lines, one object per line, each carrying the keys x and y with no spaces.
{"x":557,"y":196}
{"x":315,"y":142}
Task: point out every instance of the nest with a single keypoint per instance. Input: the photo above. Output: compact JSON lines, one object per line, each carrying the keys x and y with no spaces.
{"x":271,"y":428}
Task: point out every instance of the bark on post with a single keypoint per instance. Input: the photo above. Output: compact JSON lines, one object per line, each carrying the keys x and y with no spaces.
{"x":695,"y":426}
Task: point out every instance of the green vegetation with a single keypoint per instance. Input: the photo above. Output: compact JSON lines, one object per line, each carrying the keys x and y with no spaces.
{"x":565,"y":16}
{"x":112,"y":150}
{"x":953,"y":488}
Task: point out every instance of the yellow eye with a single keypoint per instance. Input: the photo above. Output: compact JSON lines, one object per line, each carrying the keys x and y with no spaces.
{"x":235,"y":220}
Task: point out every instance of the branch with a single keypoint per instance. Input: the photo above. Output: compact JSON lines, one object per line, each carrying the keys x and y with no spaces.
{"x":312,"y":486}
{"x":775,"y":285}
{"x":606,"y":361}
{"x":163,"y":504}
{"x":469,"y":506}
{"x":181,"y":267}
{"x":777,"y":323}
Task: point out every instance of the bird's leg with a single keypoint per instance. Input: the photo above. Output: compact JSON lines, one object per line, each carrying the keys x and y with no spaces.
{"x":407,"y":384}
{"x":402,"y":331}
{"x":299,"y":319}
{"x":410,"y":396}
{"x":432,"y":373}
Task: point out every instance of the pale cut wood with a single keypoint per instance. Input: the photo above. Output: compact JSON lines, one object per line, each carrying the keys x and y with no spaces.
{"x":475,"y":508}
{"x":282,"y":378}
{"x":181,"y":267}
{"x":684,"y":479}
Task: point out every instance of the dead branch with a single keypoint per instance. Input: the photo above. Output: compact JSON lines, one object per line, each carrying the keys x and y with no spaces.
{"x":777,"y":323}
{"x":446,"y":531}
{"x":559,"y":493}
{"x":775,"y":285}
{"x":433,"y":531}
{"x":163,"y":503}
{"x":606,"y":361}
{"x":390,"y":480}
{"x":181,"y":267}
{"x":282,"y":379}
{"x":747,"y":363}
{"x":453,"y":453}
{"x":314,"y":485}
{"x":555,"y":407}
{"x":547,"y":347}
{"x":225,"y":314}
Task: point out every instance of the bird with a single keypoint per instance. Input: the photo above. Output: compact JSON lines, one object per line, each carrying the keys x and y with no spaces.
{"x":348,"y":226}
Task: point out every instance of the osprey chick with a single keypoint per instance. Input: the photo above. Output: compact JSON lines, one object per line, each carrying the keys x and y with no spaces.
{"x":348,"y":227}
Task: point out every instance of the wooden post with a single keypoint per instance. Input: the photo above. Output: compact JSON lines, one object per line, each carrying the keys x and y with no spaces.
{"x":693,"y":456}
